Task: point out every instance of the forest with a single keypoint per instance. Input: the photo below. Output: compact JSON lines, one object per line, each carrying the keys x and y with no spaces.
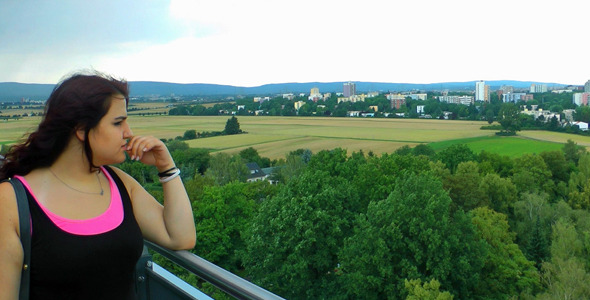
{"x":412,"y":224}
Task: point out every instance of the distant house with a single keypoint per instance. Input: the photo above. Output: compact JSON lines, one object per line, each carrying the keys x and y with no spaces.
{"x":269,"y":172}
{"x":256,"y":173}
{"x":582,"y":125}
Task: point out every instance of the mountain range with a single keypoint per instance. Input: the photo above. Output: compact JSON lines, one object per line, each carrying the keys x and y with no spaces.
{"x":13,"y":91}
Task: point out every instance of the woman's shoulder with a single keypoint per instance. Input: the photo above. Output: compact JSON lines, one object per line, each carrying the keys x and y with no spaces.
{"x":11,"y":251}
{"x":125,"y":178}
{"x":8,"y":207}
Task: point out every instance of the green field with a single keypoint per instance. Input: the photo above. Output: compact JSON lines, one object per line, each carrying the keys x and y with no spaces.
{"x":274,"y":137}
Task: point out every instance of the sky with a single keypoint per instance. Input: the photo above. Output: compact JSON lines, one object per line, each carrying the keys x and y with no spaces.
{"x":255,"y":42}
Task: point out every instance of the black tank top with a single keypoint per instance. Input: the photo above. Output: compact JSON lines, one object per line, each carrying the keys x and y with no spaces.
{"x":69,"y":266}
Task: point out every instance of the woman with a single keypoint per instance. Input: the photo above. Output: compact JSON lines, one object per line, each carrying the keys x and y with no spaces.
{"x":88,"y":220}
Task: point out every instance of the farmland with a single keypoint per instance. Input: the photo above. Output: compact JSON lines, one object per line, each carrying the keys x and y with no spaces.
{"x":274,"y":137}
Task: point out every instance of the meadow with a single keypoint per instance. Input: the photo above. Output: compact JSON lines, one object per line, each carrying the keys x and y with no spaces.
{"x":274,"y":137}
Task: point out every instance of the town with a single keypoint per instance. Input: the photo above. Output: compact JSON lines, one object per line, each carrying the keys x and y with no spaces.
{"x":563,"y":109}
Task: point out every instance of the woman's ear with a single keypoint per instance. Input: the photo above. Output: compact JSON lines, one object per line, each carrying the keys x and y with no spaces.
{"x":81,"y":134}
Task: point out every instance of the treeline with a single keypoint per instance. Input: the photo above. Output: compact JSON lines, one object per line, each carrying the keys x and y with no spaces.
{"x":232,"y":126}
{"x":279,"y":106}
{"x":452,"y":224}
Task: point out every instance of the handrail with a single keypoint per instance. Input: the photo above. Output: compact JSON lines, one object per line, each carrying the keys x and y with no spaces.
{"x":226,"y":281}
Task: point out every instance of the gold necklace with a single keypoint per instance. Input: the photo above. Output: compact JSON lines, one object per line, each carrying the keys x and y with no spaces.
{"x":77,"y":190}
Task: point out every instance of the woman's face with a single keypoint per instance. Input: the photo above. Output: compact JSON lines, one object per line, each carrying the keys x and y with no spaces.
{"x":109,"y":138}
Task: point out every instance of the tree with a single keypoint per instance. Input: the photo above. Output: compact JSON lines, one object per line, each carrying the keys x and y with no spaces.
{"x":572,"y":151}
{"x":190,"y":135}
{"x":526,"y":211}
{"x":531,"y":174}
{"x":293,"y":240}
{"x":509,"y":119}
{"x":553,"y":123}
{"x":403,"y":150}
{"x":251,"y":155}
{"x":224,"y":169}
{"x":176,"y":145}
{"x":501,"y":194}
{"x":454,"y":155}
{"x":232,"y":126}
{"x":463,"y":186}
{"x":565,"y":275}
{"x":538,"y":247}
{"x":423,"y":149}
{"x":506,"y":271}
{"x":411,"y":234}
{"x":490,"y":116}
{"x":557,"y":164}
{"x":375,"y":179}
{"x":222,"y":214}
{"x":500,"y":164}
{"x":294,"y":166}
{"x":578,"y":196}
{"x":582,"y":114}
{"x":427,"y":291}
{"x":191,"y":161}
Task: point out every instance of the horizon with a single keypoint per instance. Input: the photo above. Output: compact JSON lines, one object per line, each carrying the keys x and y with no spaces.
{"x":328,"y":82}
{"x":15,"y":91}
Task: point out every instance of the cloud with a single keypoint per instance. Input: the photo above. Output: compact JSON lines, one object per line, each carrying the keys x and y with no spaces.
{"x":261,"y":41}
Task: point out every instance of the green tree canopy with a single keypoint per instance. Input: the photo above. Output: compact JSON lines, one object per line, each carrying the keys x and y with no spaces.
{"x":463,"y":186}
{"x":423,"y":149}
{"x":427,"y":291}
{"x":221,"y":216}
{"x":454,"y":155}
{"x":573,"y":151}
{"x":293,"y":240}
{"x":232,"y":126}
{"x":190,"y":134}
{"x":191,"y":161}
{"x":565,"y":275}
{"x":411,"y":234}
{"x":500,"y":193}
{"x":531,"y":174}
{"x":506,"y":272}
{"x":509,"y":118}
{"x":224,"y":168}
{"x":251,"y":155}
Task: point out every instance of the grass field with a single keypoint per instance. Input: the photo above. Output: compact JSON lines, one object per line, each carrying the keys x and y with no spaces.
{"x":274,"y":137}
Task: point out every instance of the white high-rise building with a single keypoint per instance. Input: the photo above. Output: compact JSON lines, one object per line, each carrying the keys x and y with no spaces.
{"x":587,"y":87}
{"x":480,"y":91}
{"x":538,"y":88}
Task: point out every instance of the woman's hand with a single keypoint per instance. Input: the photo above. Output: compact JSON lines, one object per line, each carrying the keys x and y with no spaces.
{"x":150,"y":151}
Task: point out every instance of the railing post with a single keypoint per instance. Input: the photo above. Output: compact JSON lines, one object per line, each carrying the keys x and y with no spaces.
{"x":141,"y":277}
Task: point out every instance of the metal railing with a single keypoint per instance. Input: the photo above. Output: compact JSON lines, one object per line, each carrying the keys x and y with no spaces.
{"x":153,"y":282}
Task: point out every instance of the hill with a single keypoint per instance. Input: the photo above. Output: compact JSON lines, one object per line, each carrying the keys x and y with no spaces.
{"x":13,"y":91}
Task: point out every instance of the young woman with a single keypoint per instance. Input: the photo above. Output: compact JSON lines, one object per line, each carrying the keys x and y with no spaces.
{"x":88,"y":220}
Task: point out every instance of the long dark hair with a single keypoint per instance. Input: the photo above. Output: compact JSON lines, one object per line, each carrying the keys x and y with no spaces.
{"x":77,"y":102}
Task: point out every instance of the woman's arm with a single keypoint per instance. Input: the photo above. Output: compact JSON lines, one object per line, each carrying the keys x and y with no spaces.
{"x":171,"y":225}
{"x":11,"y":250}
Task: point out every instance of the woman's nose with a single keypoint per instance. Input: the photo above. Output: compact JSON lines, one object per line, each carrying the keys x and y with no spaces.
{"x":127,"y":133}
